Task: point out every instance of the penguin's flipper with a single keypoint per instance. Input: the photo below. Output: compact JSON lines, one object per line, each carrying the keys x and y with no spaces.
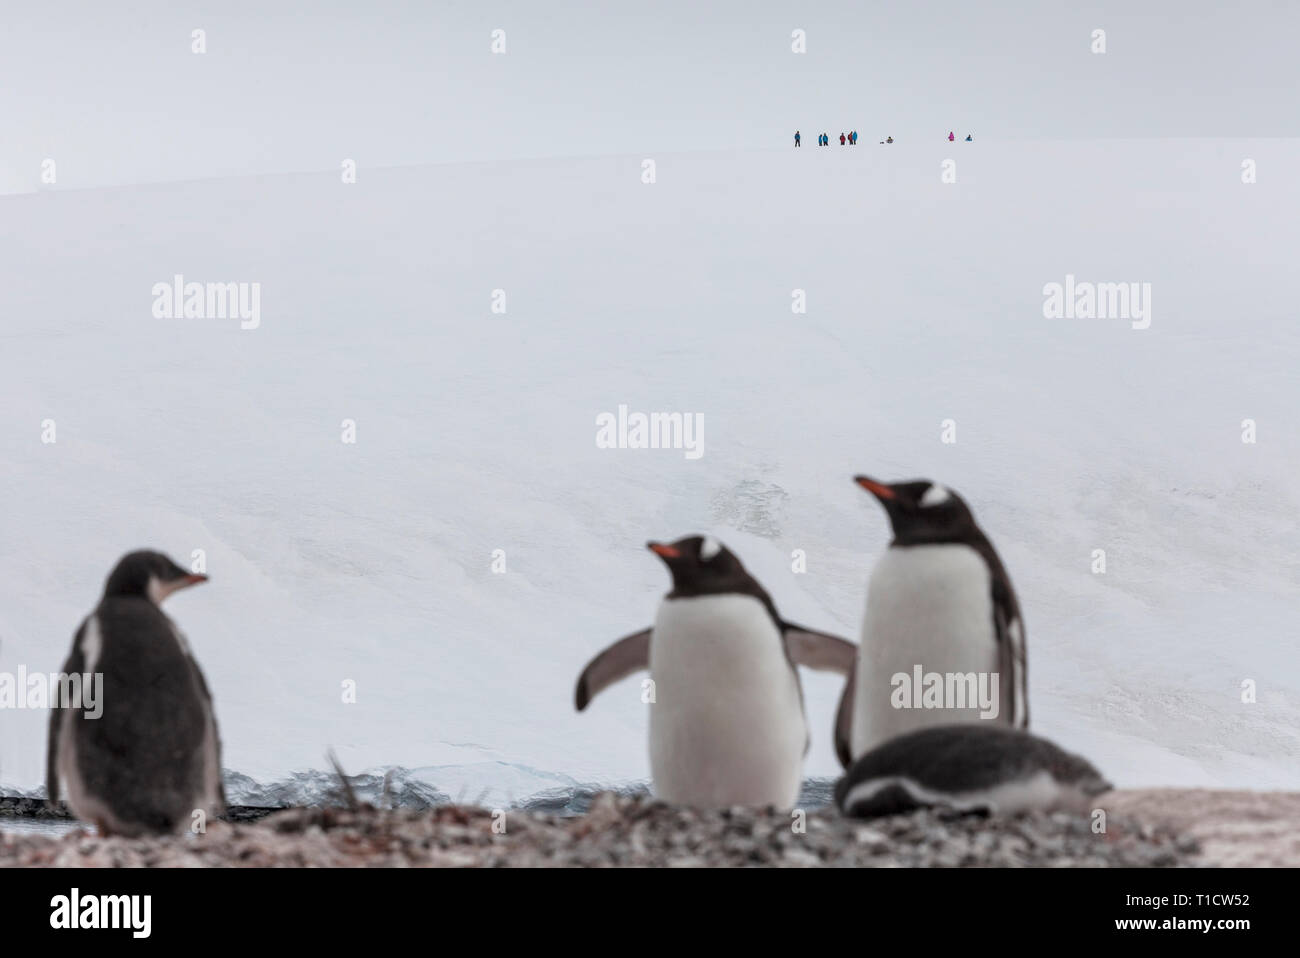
{"x":827,"y":653}
{"x":52,"y":757}
{"x":819,"y":650}
{"x":844,"y":721}
{"x":1011,"y":659}
{"x":629,"y":654}
{"x":73,"y":666}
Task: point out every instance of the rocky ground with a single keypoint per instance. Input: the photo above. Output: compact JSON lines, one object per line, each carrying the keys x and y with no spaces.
{"x":1240,"y":829}
{"x":623,"y":830}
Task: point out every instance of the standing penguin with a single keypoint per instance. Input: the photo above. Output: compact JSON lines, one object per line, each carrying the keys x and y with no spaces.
{"x":939,"y":601}
{"x":153,"y":757}
{"x":727,"y":723}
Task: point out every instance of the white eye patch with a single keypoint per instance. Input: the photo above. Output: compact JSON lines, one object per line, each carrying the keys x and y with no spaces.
{"x":935,"y":495}
{"x":709,"y":548}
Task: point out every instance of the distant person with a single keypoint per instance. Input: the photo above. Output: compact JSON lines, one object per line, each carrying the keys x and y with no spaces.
{"x":968,"y":139}
{"x":853,"y":138}
{"x":951,"y":138}
{"x":796,"y":137}
{"x":841,"y":139}
{"x":889,"y":139}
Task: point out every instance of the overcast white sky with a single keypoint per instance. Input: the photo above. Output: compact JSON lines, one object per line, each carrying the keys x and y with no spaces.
{"x":113,"y":94}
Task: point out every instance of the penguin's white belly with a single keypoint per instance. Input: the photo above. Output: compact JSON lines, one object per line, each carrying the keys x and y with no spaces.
{"x":727,"y":724}
{"x":929,"y":606}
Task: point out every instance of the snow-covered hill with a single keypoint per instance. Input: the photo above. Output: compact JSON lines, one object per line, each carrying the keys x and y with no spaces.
{"x":371,"y":562}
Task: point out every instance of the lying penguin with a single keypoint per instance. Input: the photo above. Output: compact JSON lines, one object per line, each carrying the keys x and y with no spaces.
{"x":968,"y":768}
{"x":153,"y":757}
{"x":727,"y":723}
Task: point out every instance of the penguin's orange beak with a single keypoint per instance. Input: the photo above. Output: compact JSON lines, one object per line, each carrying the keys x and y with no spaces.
{"x":659,"y":549}
{"x":877,"y":489}
{"x":160,"y":590}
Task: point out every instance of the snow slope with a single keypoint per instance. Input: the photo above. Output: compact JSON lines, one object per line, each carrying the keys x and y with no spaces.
{"x":371,"y":561}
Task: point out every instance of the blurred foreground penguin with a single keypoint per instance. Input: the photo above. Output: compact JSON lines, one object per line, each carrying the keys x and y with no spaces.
{"x":968,"y":768}
{"x":152,"y":757}
{"x":727,"y":723}
{"x":942,"y":638}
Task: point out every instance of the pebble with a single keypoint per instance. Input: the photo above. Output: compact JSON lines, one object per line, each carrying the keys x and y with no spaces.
{"x":621,"y":830}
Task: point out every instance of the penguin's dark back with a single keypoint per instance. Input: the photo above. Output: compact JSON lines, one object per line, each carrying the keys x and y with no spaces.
{"x":147,"y":746}
{"x":964,"y":757}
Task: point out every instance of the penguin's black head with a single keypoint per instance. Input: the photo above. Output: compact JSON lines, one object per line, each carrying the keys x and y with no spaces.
{"x":922,"y":511}
{"x":701,"y":565}
{"x":149,"y":574}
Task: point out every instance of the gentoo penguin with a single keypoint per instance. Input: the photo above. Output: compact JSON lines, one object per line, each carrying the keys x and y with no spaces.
{"x":939,"y":602}
{"x":968,"y":768}
{"x":727,"y":721}
{"x":152,"y":758}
